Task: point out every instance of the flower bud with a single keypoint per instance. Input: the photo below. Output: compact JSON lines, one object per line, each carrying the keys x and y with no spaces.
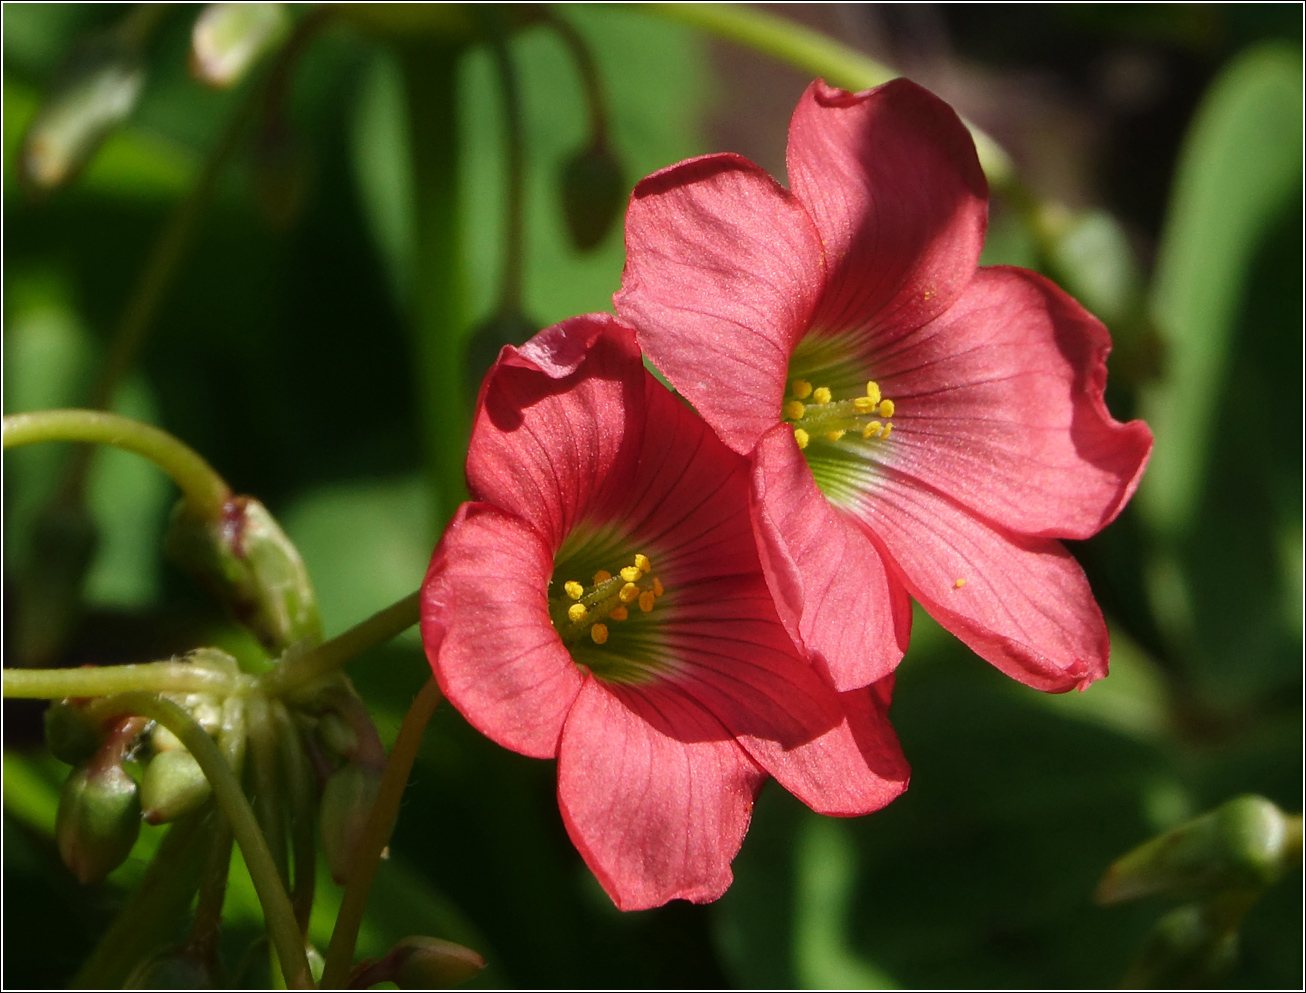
{"x":593,"y":193}
{"x":96,"y":89}
{"x":346,"y":802}
{"x":229,"y":38}
{"x":98,"y":820}
{"x":1243,"y":844}
{"x":172,"y":785}
{"x":422,"y":963}
{"x":247,"y":562}
{"x":71,"y":736}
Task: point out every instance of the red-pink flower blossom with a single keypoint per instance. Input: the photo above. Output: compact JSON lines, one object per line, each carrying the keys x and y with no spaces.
{"x":601,"y":601}
{"x":915,"y":424}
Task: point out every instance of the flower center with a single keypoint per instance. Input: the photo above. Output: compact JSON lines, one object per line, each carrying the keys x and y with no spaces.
{"x":583,"y":611}
{"x":817,"y":415}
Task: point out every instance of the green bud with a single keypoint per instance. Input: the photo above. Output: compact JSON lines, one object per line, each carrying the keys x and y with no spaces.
{"x":346,"y":802}
{"x":421,"y":963}
{"x":96,"y":89}
{"x":98,"y":820}
{"x":593,"y":193}
{"x":488,"y":339}
{"x":1244,"y":844}
{"x":247,"y":562}
{"x":70,"y":734}
{"x":172,"y":785}
{"x":229,"y":38}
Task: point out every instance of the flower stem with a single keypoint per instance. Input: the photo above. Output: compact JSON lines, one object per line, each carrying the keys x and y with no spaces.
{"x":277,"y":910}
{"x":592,"y":83}
{"x":157,"y":677}
{"x":203,"y":488}
{"x":376,"y":835}
{"x":812,"y":52}
{"x":430,"y":79}
{"x":331,"y":655}
{"x":510,"y":288}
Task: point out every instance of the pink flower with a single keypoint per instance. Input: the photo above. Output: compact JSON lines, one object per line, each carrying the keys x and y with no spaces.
{"x":915,"y":425}
{"x":601,"y":601}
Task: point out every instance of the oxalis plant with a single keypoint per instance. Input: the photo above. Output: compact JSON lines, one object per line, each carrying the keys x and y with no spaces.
{"x":684,"y":545}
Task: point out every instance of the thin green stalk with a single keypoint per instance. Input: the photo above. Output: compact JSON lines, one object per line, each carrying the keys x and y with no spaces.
{"x":331,"y":655}
{"x":815,"y":53}
{"x":591,"y":81}
{"x":430,"y":79}
{"x":203,"y":488}
{"x":510,"y":288}
{"x":267,"y":782}
{"x":376,"y":835}
{"x":277,"y":911}
{"x":299,"y":778}
{"x":156,"y":677}
{"x":207,"y":923}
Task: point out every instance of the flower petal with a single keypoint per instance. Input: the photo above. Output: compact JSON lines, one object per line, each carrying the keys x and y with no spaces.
{"x":655,"y":793}
{"x":486,"y":628}
{"x":722,"y":269}
{"x":831,"y":586}
{"x":556,"y":432}
{"x":1023,"y":603}
{"x":891,"y":179}
{"x":999,"y":405}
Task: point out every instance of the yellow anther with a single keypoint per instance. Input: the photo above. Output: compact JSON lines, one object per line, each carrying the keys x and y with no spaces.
{"x":628,"y":593}
{"x":644,"y":564}
{"x":794,"y":410}
{"x":801,"y":388}
{"x":657,"y":586}
{"x":602,"y":576}
{"x":959,"y":584}
{"x":872,"y":430}
{"x":620,"y":614}
{"x":801,"y":437}
{"x":630,"y":573}
{"x":821,"y":394}
{"x":835,"y":435}
{"x":887,"y":429}
{"x":864,"y":405}
{"x":886,"y":408}
{"x":576,"y":613}
{"x":599,"y":632}
{"x":574,"y":589}
{"x":873,"y":392}
{"x":646,"y":601}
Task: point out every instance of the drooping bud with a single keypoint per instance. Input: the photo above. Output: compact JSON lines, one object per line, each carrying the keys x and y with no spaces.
{"x":421,"y":963}
{"x":485,"y":343}
{"x":97,"y":88}
{"x":71,"y":736}
{"x":247,"y":562}
{"x":1244,"y":844}
{"x":593,"y":193}
{"x":229,"y":38}
{"x":98,"y":820}
{"x":172,"y":785}
{"x":346,"y":802}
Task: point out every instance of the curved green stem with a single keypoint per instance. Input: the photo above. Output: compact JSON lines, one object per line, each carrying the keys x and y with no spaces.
{"x":815,"y":53}
{"x":203,"y":488}
{"x":376,"y":835}
{"x":510,"y":289}
{"x":591,"y":81}
{"x":156,"y":677}
{"x":277,"y":911}
{"x":331,"y":655}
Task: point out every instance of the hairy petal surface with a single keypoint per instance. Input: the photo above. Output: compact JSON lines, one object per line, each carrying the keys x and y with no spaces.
{"x":558,"y":424}
{"x":723,"y":267}
{"x":999,"y":405}
{"x":486,"y":628}
{"x":891,"y":179}
{"x":1023,"y":603}
{"x":831,"y":586}
{"x":655,"y":793}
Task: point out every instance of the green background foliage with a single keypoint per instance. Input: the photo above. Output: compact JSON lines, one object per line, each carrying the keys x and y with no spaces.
{"x":283,"y":353}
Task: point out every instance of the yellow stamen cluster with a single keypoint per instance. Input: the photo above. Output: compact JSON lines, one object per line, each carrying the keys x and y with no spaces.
{"x":825,"y":417}
{"x":608,"y":599}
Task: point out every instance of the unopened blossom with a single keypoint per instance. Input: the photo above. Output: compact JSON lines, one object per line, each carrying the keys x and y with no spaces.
{"x":601,"y":601}
{"x":914,"y":424}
